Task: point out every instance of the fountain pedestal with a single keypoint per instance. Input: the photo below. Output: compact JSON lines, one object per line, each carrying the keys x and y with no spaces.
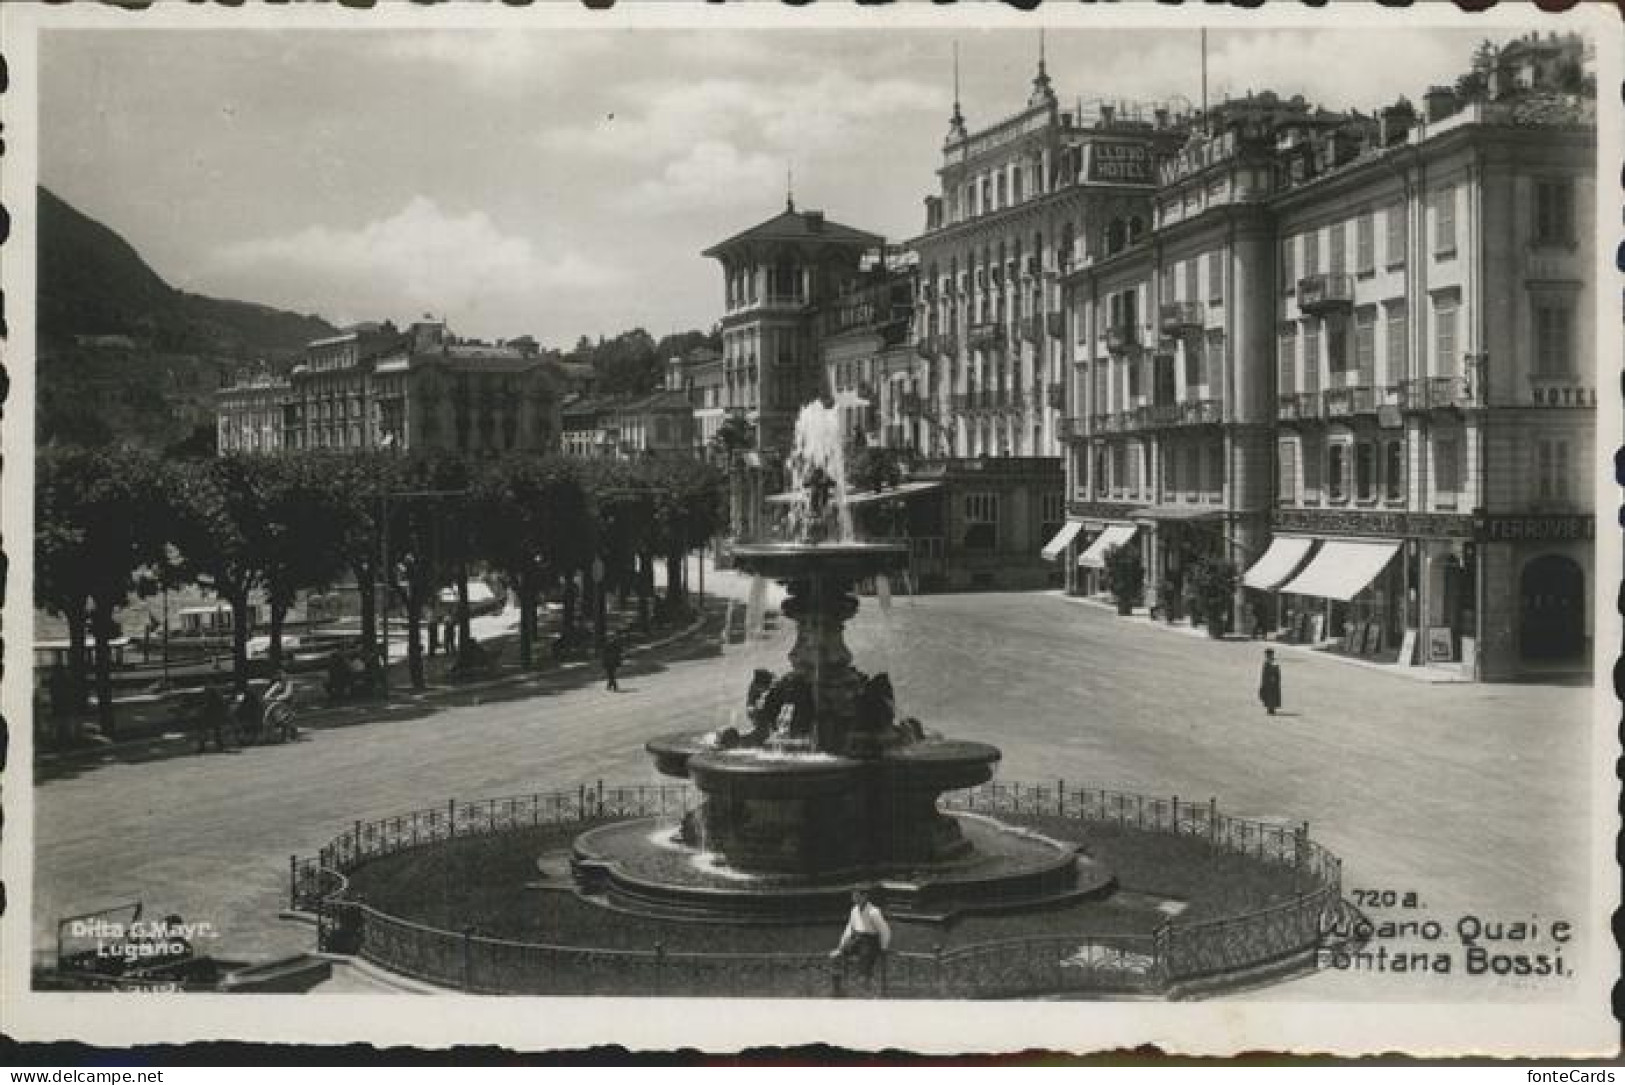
{"x":827,"y":791}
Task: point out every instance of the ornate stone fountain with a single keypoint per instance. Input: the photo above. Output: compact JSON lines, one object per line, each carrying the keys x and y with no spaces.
{"x":828,"y":787}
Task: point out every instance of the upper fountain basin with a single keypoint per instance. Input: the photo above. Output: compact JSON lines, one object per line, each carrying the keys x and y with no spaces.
{"x":798,"y":561}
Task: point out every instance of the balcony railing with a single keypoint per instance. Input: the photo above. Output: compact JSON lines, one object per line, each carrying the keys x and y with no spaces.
{"x":1308,"y":405}
{"x":986,"y":334}
{"x":1159,"y":414}
{"x":1286,"y":407}
{"x":1181,"y":317}
{"x":1360,"y":399}
{"x":1121,"y":338}
{"x":1108,"y":422}
{"x":1325,"y":293}
{"x":1201,"y":412}
{"x":1436,"y":394}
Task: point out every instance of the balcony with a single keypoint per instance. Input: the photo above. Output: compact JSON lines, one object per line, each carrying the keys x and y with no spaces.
{"x":1177,"y":318}
{"x":1158,"y":414}
{"x":1436,"y":394}
{"x":1326,"y":293}
{"x":1286,"y":407}
{"x":1108,"y":422}
{"x":1121,"y":338}
{"x":784,"y":301}
{"x":987,"y":334}
{"x":1308,"y":406}
{"x":1201,"y":412}
{"x":1360,"y":399}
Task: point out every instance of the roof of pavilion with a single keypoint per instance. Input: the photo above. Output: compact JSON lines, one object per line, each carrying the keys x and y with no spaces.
{"x":792,"y":227}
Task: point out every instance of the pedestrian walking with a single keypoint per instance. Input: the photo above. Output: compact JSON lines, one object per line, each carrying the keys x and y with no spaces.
{"x":612,"y":656}
{"x":1269,"y":683}
{"x":867,"y":935}
{"x":211,"y":719}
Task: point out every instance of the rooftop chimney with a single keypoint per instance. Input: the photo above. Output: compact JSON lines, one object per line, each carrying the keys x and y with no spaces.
{"x":814,"y":220}
{"x":1440,"y":102}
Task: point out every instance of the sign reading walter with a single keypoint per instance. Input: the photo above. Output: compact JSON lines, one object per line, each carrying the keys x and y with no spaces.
{"x":1120,"y":163}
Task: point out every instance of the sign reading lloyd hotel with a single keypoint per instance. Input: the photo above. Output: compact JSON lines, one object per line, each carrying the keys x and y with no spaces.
{"x":1119,"y":163}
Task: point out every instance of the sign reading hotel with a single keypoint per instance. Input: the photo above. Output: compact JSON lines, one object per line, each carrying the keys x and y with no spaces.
{"x":1119,"y":163}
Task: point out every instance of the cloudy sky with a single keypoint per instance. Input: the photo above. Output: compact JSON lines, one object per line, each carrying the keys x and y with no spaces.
{"x":564,"y":182}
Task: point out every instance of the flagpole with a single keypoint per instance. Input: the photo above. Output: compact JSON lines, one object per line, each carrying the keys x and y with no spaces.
{"x":1206,"y":127}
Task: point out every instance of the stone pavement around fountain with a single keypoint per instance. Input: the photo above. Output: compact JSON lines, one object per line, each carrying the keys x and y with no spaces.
{"x":1466,"y":794}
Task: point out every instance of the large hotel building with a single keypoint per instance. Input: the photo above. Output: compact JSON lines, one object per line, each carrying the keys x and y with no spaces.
{"x":1350,"y":356}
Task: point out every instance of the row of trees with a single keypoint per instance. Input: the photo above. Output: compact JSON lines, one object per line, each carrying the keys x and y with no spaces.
{"x":634,"y":361}
{"x":113,"y":524}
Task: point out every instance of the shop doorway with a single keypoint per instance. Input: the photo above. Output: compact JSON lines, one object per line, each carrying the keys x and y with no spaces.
{"x":1552,"y":609}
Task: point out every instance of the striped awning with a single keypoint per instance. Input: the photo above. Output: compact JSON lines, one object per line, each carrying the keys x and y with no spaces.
{"x":1063,"y":538}
{"x":1279,"y":562}
{"x":1343,"y":568}
{"x":1114,"y":536}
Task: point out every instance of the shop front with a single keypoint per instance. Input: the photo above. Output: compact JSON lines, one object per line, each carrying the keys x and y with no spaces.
{"x":1179,"y":537}
{"x":1540,"y":622}
{"x":1385,"y":586}
{"x":1102,"y":525}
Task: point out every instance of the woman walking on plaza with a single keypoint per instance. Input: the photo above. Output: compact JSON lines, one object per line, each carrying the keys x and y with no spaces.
{"x":612,"y":656}
{"x":1269,"y":683}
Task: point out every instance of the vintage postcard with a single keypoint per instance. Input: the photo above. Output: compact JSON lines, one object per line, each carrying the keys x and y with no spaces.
{"x":712,"y":526}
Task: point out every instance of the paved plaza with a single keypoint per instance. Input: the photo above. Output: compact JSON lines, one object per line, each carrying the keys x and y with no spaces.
{"x":1465,"y":794}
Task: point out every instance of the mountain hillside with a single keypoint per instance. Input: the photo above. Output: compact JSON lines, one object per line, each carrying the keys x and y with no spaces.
{"x":126,"y":359}
{"x":93,"y":283}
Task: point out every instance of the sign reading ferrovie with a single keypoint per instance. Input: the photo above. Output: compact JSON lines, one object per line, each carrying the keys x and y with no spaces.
{"x":1534,"y":528}
{"x":1119,"y":163}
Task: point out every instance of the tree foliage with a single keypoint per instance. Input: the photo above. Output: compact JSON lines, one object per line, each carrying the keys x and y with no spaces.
{"x":269,"y":528}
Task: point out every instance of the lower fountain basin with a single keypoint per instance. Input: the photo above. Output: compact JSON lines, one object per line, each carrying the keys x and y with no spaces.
{"x":642,"y":866}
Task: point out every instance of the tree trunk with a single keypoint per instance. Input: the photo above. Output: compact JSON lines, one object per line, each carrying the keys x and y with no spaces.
{"x":646,"y":585}
{"x":414,"y":642}
{"x":675,"y":588}
{"x":105,"y":632}
{"x":369,"y":621}
{"x":462,"y":609}
{"x":567,"y":616}
{"x":525,"y":589}
{"x":69,"y":713}
{"x":279,"y":614}
{"x":239,"y":641}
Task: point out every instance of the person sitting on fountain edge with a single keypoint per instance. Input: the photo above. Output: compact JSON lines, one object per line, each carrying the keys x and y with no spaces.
{"x":867,"y":935}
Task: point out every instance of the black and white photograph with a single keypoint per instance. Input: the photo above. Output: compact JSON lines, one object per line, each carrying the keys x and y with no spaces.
{"x":687,"y":526}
